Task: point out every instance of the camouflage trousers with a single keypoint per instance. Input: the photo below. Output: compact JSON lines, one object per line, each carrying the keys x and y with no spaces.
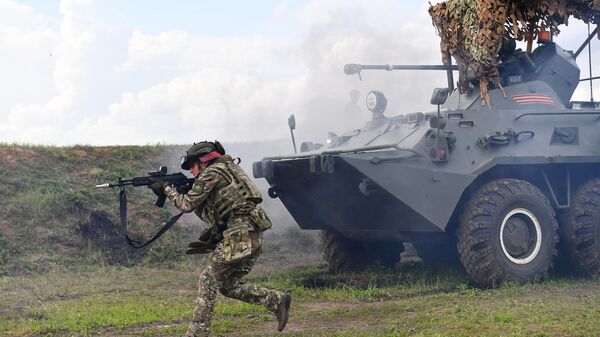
{"x":226,"y":278}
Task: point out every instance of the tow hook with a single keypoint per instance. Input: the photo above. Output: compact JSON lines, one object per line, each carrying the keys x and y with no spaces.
{"x":366,"y":187}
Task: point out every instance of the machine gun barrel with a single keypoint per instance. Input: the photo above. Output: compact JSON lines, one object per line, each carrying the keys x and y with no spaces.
{"x":353,"y":68}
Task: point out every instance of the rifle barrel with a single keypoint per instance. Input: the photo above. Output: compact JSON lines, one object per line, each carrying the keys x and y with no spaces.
{"x":119,"y":184}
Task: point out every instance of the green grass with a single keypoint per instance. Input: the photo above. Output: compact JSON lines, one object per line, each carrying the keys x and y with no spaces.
{"x":49,"y":195}
{"x":410,"y":301}
{"x":62,"y":283}
{"x":95,"y":313}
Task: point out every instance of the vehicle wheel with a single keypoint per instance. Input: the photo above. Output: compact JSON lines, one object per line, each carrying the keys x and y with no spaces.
{"x":386,"y":254}
{"x":582,"y":228}
{"x":344,"y":254}
{"x":438,"y":253}
{"x":508,"y":232}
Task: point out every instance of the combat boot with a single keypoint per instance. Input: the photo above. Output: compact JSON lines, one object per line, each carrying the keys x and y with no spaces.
{"x":199,"y":334}
{"x":283,"y":311}
{"x":196,"y":333}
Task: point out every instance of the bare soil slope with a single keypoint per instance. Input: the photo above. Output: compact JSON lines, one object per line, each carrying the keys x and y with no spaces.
{"x":51,"y":215}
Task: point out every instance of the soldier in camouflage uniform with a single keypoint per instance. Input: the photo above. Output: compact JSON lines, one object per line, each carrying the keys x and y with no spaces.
{"x":225,"y":198}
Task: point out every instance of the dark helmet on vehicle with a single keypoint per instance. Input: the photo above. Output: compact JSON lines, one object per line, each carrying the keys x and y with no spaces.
{"x":198,"y":150}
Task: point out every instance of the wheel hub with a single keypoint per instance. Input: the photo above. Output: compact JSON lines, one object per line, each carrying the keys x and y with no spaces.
{"x":520,"y":236}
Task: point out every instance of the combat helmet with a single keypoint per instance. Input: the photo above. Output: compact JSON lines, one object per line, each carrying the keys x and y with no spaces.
{"x":198,"y":150}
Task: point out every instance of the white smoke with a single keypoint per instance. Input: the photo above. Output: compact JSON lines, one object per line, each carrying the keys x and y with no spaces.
{"x":88,"y":77}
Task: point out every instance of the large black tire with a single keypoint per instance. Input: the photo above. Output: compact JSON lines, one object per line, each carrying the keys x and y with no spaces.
{"x":507,"y":232}
{"x":442,"y":253}
{"x":581,"y":232}
{"x":343,"y":254}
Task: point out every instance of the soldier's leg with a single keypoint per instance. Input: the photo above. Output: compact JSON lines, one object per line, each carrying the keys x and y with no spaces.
{"x":270,"y":298}
{"x":228,"y":278}
{"x":207,"y":292}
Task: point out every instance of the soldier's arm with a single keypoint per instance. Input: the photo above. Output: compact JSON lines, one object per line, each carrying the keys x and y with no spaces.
{"x":205,"y":182}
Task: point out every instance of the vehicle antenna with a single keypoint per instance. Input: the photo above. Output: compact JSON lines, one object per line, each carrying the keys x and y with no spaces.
{"x":292,"y":125}
{"x":590,"y":64}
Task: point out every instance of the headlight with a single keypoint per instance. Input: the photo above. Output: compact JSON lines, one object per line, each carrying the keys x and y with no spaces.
{"x":376,"y":101}
{"x":371,"y":101}
{"x":332,"y":139}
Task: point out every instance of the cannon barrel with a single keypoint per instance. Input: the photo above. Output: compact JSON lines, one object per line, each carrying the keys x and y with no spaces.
{"x":353,"y":68}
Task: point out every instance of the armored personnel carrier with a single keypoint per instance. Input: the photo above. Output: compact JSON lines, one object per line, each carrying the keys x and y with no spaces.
{"x":496,"y":189}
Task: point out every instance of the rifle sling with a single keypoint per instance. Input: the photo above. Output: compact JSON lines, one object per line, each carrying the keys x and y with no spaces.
{"x":123,"y":219}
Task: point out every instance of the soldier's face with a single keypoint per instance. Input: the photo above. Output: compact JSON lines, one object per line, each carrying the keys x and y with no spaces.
{"x":195,"y":168}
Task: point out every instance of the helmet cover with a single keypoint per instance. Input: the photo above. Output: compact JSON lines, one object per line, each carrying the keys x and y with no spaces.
{"x":198,"y":150}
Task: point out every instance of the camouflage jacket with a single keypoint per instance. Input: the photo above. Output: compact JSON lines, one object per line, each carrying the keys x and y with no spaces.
{"x":222,"y":193}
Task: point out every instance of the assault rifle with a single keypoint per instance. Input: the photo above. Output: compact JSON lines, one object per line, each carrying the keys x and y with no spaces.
{"x":179,"y":180}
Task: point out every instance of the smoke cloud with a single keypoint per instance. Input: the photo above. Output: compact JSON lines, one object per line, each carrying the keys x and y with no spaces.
{"x":89,"y":77}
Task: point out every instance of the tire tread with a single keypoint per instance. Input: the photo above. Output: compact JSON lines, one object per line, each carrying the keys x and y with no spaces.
{"x":476,"y":222}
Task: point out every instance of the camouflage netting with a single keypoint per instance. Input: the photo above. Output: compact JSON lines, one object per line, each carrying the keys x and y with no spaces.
{"x":472,"y":31}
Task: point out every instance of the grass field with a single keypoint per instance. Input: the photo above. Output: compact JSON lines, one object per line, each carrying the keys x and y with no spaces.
{"x":409,"y":300}
{"x":60,"y":273}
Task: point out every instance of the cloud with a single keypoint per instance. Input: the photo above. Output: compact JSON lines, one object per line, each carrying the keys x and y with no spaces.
{"x":74,"y":80}
{"x":221,"y":88}
{"x":26,"y":64}
{"x":145,"y":52}
{"x":91,"y":78}
{"x":245,"y":88}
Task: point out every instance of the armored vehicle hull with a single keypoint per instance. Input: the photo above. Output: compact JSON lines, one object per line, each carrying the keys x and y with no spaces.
{"x":486,"y":185}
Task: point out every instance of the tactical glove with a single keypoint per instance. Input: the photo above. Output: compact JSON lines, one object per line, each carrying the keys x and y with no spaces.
{"x":184,"y":189}
{"x":206,"y":235}
{"x":158,"y":186}
{"x":199,"y":247}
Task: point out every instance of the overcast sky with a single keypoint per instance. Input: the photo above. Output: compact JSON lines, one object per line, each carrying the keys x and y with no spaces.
{"x":146,"y":72}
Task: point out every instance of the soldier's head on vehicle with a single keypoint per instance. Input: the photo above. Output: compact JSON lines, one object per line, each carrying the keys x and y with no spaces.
{"x":354,"y":96}
{"x":200,"y":155}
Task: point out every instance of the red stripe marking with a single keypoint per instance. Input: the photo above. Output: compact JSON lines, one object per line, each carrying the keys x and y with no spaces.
{"x":537,"y":102}
{"x":534,"y":99}
{"x":543,"y":98}
{"x":536,"y":96}
{"x":539,"y":99}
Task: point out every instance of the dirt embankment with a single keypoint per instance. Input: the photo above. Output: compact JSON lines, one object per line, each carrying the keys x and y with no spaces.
{"x":51,"y":214}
